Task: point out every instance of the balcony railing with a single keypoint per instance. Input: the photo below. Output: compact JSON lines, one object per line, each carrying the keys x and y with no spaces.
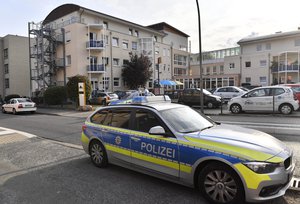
{"x":286,"y":68}
{"x":96,"y":68}
{"x":95,"y":44}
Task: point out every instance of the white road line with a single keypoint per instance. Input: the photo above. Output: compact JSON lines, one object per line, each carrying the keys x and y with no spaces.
{"x":6,"y":132}
{"x":19,"y":132}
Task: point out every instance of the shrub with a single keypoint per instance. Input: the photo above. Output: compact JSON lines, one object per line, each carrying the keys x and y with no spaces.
{"x":55,"y":95}
{"x":72,"y":87}
{"x":8,"y":97}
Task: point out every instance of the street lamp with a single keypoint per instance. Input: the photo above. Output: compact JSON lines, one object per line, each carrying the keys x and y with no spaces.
{"x":200,"y":58}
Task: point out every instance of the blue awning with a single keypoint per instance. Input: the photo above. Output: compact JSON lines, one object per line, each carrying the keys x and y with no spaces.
{"x":167,"y":82}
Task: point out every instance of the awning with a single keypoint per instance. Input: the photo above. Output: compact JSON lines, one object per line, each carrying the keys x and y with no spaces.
{"x":167,"y":82}
{"x":178,"y":83}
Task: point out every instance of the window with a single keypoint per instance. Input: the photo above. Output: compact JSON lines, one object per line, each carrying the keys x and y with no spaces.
{"x":125,"y":61}
{"x":214,"y":69}
{"x":263,"y":79}
{"x":115,"y":42}
{"x":231,"y":65}
{"x":117,"y":118}
{"x":99,"y":117}
{"x":248,"y":64}
{"x":116,"y":81}
{"x":6,"y":83}
{"x":136,"y":33}
{"x":180,"y":60}
{"x":105,"y":82}
{"x":155,"y":38}
{"x":221,"y":69}
{"x":268,"y":46}
{"x":6,"y":71}
{"x":105,"y":25}
{"x":259,"y":93}
{"x":125,"y":45}
{"x":134,"y":45}
{"x":5,"y":53}
{"x":207,"y":70}
{"x":68,"y":60}
{"x":68,"y":36}
{"x":130,"y":31}
{"x":259,"y":47}
{"x":263,"y":63}
{"x":105,"y":60}
{"x":278,"y":91}
{"x":116,"y":61}
{"x":248,"y":79}
{"x":297,"y":42}
{"x":145,"y":120}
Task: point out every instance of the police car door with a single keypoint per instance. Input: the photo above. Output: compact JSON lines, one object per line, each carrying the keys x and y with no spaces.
{"x":116,"y":134}
{"x":153,"y":152}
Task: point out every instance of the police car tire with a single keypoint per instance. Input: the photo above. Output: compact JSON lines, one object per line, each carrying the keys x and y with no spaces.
{"x":218,"y":166}
{"x":95,"y":147}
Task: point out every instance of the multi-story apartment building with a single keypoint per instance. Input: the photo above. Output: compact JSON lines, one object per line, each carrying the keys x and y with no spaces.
{"x":97,"y":45}
{"x":218,"y":69}
{"x":14,"y":66}
{"x":270,"y":59}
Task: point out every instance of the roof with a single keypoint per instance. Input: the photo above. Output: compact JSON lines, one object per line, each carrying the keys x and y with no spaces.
{"x":66,"y":9}
{"x":268,"y":37}
{"x":166,"y":27}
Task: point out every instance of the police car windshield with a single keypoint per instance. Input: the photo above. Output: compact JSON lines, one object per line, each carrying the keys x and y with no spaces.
{"x":185,"y":119}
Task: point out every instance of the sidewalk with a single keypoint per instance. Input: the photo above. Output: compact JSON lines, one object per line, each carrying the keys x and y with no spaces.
{"x":218,"y":111}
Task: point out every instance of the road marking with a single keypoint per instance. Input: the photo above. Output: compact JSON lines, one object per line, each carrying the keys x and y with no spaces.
{"x":6,"y":132}
{"x":28,"y":135}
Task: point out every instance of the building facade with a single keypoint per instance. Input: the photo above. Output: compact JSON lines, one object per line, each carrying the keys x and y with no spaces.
{"x":97,"y":45}
{"x":14,"y":66}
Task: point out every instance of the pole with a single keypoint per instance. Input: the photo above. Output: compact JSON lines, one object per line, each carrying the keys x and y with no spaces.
{"x":200,"y":58}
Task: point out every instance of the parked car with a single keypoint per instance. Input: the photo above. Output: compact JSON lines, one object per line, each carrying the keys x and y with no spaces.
{"x":226,"y":163}
{"x":192,"y":97}
{"x":228,"y":92}
{"x":277,"y":98}
{"x":17,"y":105}
{"x":295,"y":88}
{"x":103,"y":98}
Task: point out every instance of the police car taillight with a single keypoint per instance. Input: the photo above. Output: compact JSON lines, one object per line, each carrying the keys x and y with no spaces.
{"x":83,"y":127}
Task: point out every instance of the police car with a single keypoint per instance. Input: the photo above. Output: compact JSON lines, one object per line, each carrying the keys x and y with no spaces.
{"x":228,"y":164}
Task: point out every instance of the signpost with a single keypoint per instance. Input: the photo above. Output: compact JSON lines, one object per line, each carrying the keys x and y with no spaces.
{"x":81,"y":92}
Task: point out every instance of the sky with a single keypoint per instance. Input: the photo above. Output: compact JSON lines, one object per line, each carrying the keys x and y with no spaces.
{"x":223,"y":22}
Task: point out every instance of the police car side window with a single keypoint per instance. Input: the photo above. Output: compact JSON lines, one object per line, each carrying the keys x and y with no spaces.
{"x":120,"y":119}
{"x":145,"y":120}
{"x":99,"y":117}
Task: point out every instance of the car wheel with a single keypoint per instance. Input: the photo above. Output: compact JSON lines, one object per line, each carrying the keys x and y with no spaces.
{"x":235,"y":108}
{"x":210,"y":105}
{"x":285,"y":109}
{"x":3,"y":110}
{"x":220,"y":184}
{"x":98,"y":154}
{"x":14,"y":111}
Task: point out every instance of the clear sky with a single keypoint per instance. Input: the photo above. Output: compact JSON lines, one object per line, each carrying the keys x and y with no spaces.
{"x":223,"y":22}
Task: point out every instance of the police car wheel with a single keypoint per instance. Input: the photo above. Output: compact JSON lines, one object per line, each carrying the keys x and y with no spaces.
{"x":286,"y":109}
{"x":98,"y":154}
{"x":220,"y":184}
{"x":235,"y":108}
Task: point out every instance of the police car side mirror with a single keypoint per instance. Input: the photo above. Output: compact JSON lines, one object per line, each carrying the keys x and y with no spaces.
{"x":157,"y":130}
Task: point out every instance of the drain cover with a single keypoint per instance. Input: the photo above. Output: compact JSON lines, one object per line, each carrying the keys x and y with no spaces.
{"x":295,"y":184}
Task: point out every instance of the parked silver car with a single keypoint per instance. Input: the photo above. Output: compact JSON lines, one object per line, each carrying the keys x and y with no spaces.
{"x":228,"y":92}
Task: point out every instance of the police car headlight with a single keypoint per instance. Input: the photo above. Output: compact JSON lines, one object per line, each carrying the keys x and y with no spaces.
{"x":262,"y":167}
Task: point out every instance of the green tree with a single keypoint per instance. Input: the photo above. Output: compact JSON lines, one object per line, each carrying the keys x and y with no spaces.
{"x":136,"y":72}
{"x":72,"y":87}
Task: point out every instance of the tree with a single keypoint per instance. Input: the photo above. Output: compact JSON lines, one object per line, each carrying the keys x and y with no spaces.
{"x":72,"y":87}
{"x":136,"y":72}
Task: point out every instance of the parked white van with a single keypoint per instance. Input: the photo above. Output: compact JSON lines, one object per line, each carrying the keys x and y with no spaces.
{"x":269,"y":98}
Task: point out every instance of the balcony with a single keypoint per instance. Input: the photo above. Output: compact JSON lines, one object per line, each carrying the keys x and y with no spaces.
{"x":95,"y":45}
{"x":96,"y":68}
{"x":286,"y":68}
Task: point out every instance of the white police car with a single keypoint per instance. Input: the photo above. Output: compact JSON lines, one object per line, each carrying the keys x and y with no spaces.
{"x":229,"y":164}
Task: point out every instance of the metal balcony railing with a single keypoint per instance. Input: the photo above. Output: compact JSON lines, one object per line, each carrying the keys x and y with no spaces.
{"x":286,"y":68}
{"x":96,"y":68}
{"x":95,"y":44}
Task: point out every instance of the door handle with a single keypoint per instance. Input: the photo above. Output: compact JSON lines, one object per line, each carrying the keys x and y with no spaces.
{"x":135,"y":139}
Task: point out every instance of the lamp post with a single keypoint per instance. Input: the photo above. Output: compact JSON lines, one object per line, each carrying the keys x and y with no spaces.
{"x":200,"y":59}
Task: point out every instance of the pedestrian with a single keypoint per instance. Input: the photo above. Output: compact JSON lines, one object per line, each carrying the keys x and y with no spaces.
{"x":146,"y":91}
